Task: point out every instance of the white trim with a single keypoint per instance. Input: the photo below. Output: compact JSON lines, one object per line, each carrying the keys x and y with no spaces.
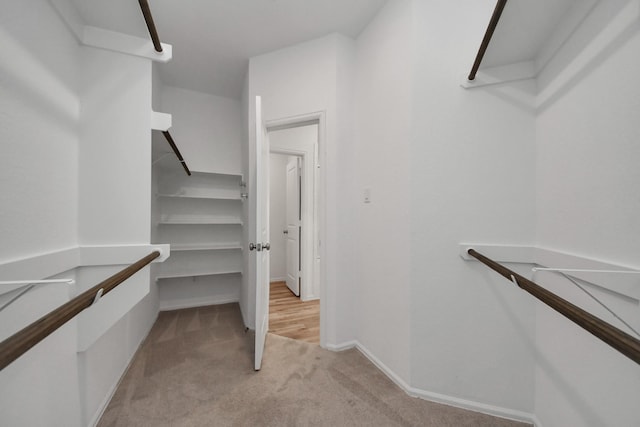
{"x":278,"y":279}
{"x":161,"y":121}
{"x":198,"y":302}
{"x":342,"y":346}
{"x":483,"y":408}
{"x":36,"y":282}
{"x":112,"y":390}
{"x":385,"y":369}
{"x":41,"y":265}
{"x":536,"y":421}
{"x":120,"y":254}
{"x":582,"y":270}
{"x":55,"y":262}
{"x":124,"y":43}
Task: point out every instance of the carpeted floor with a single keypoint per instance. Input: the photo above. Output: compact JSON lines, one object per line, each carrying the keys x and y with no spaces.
{"x":196,"y":369}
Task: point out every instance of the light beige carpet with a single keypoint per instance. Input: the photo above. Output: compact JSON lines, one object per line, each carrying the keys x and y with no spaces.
{"x":196,"y":369}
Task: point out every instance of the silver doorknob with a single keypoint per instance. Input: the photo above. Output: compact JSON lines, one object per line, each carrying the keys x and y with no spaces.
{"x":266,"y":246}
{"x":252,"y":246}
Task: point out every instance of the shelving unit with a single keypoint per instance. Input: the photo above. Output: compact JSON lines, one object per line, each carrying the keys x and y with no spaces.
{"x":201,"y":218}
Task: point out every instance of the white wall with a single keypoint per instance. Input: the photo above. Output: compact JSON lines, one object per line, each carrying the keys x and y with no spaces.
{"x":74,"y":122}
{"x":206,"y":128}
{"x":383,"y":119}
{"x":299,"y":80}
{"x":39,"y":110}
{"x":115,"y":155}
{"x":588,"y":204}
{"x":472,"y":180}
{"x":115,"y":198}
{"x":278,"y":216}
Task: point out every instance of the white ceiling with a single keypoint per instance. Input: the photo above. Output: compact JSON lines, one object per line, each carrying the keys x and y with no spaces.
{"x":213,"y":39}
{"x":524,"y":28}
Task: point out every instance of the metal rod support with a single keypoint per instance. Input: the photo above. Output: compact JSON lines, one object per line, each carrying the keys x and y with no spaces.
{"x":620,"y":340}
{"x":174,"y":147}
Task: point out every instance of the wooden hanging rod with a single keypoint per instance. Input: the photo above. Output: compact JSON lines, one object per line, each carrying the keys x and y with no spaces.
{"x":620,"y":340}
{"x":20,"y":342}
{"x":174,"y":147}
{"x":151,"y":26}
{"x":493,"y":23}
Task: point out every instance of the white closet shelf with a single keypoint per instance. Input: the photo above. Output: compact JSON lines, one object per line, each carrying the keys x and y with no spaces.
{"x":200,"y":196}
{"x":205,"y":246}
{"x":175,"y":275}
{"x":222,"y":174}
{"x":201,"y":221}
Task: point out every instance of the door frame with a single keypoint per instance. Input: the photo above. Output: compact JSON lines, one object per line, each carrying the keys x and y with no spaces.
{"x":318,"y":264}
{"x":309,"y":236}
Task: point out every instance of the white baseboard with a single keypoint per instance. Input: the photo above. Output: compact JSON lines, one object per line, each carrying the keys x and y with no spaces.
{"x":536,"y":421}
{"x":483,"y":408}
{"x":341,"y":347}
{"x":496,"y":411}
{"x":384,"y":368}
{"x":278,"y":279}
{"x":197,"y":302}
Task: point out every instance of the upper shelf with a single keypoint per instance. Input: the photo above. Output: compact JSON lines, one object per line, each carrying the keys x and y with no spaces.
{"x":200,"y":220}
{"x":526,"y":38}
{"x":201,"y":196}
{"x":205,"y":246}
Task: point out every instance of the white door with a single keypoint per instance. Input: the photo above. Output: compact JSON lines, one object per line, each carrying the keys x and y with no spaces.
{"x":293,"y":216}
{"x":261,"y":246}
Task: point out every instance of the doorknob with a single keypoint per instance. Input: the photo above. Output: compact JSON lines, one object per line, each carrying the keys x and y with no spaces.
{"x":259,"y":246}
{"x":285,"y":231}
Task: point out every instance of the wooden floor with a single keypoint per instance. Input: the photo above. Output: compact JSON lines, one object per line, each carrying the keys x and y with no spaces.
{"x":292,"y":318}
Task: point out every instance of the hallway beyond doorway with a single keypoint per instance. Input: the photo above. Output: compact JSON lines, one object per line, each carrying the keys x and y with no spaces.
{"x":290,"y":317}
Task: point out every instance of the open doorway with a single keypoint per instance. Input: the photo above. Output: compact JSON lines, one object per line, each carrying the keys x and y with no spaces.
{"x":294,"y":306}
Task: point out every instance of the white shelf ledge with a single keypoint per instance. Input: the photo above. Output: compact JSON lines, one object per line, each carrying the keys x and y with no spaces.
{"x":205,"y":246}
{"x":160,"y":121}
{"x":176,"y":275}
{"x":201,"y":221}
{"x":200,"y":196}
{"x":233,"y":175}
